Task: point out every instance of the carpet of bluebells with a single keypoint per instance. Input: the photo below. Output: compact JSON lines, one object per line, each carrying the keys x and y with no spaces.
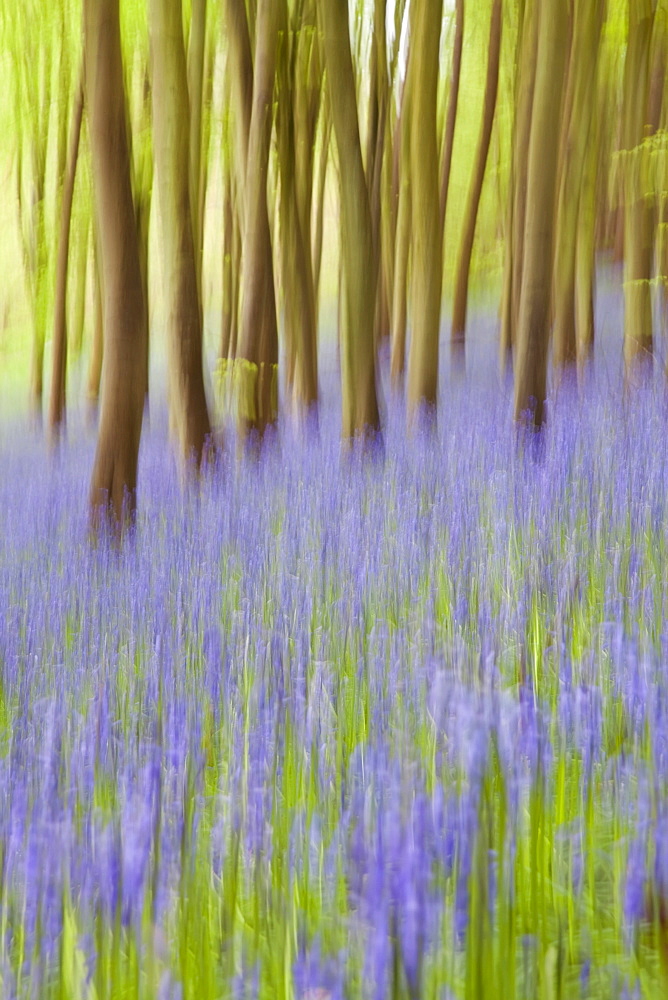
{"x":330,"y":726}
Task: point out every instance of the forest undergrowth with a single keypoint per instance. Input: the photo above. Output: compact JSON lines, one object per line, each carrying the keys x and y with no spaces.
{"x":331,"y":725}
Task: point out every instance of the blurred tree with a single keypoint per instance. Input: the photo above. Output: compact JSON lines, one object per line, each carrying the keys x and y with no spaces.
{"x":176,"y":186}
{"x":427,"y":239}
{"x":403,"y":225}
{"x":533,"y":324}
{"x":526,"y":50}
{"x":59,"y":361}
{"x":453,"y":101}
{"x":638,"y":208}
{"x":256,"y":367}
{"x":300,"y":83}
{"x":473,"y":199}
{"x":359,"y":263}
{"x":114,"y":479}
{"x":575,"y":217}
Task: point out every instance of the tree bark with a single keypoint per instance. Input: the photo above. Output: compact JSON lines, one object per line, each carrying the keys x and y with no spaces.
{"x":460,"y":303}
{"x":300,"y":83}
{"x":638,"y":213}
{"x":195,"y":76}
{"x":256,"y":369}
{"x":114,"y":479}
{"x":535,"y":293}
{"x":59,"y":369}
{"x":402,"y":244}
{"x":97,"y":344}
{"x":570,"y":201}
{"x":451,"y":120}
{"x":520,"y":161}
{"x":171,"y":115}
{"x":427,"y":243}
{"x":359,"y":263}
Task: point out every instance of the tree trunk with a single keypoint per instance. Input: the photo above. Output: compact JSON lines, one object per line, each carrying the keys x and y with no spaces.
{"x":427,"y":243}
{"x":402,"y":243}
{"x":535,"y":293}
{"x":460,"y":303}
{"x":189,"y":414}
{"x":520,"y":162}
{"x":256,"y":369}
{"x":59,"y":370}
{"x":570,"y":201}
{"x":195,"y":76}
{"x":451,"y":120}
{"x":114,"y":480}
{"x":97,"y":344}
{"x":359,"y":263}
{"x":638,"y":213}
{"x":300,"y":88}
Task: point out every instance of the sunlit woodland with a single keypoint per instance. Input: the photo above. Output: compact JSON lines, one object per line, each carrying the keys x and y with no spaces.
{"x":333,"y":499}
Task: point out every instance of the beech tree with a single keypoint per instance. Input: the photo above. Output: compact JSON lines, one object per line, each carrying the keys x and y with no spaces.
{"x":176,"y":188}
{"x":427,"y":239}
{"x":638,"y":208}
{"x":533,"y":321}
{"x":460,"y":303}
{"x":574,"y":215}
{"x":114,"y":479}
{"x":59,"y":363}
{"x":359,"y":263}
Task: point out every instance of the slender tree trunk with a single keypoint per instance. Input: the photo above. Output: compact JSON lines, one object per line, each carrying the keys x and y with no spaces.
{"x":97,"y":344}
{"x":359,"y":263}
{"x":59,"y":370}
{"x":638,"y":214}
{"x":460,"y":303}
{"x":300,"y":88}
{"x":190,"y":418}
{"x":535,"y":296}
{"x":318,"y":226}
{"x":256,"y":371}
{"x":585,"y":256}
{"x":195,"y":76}
{"x":240,"y":58}
{"x":402,"y":244}
{"x":229,"y":276}
{"x":570,"y":201}
{"x":451,"y":120}
{"x":520,"y":163}
{"x":114,"y":480}
{"x":77,"y":312}
{"x":427,"y":244}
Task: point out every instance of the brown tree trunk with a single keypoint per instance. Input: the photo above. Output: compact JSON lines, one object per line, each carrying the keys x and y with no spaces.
{"x":256,"y":369}
{"x":77,"y":311}
{"x":189,"y":414}
{"x":59,"y":369}
{"x":97,"y":344}
{"x":402,"y":243}
{"x":535,"y":293}
{"x":427,"y":243}
{"x":359,"y":263}
{"x":300,"y":88}
{"x":240,"y":56}
{"x":195,"y":76}
{"x":451,"y":120}
{"x":114,"y":479}
{"x":570,"y":201}
{"x":520,"y":162}
{"x":460,"y":302}
{"x":319,"y":224}
{"x":638,"y":210}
